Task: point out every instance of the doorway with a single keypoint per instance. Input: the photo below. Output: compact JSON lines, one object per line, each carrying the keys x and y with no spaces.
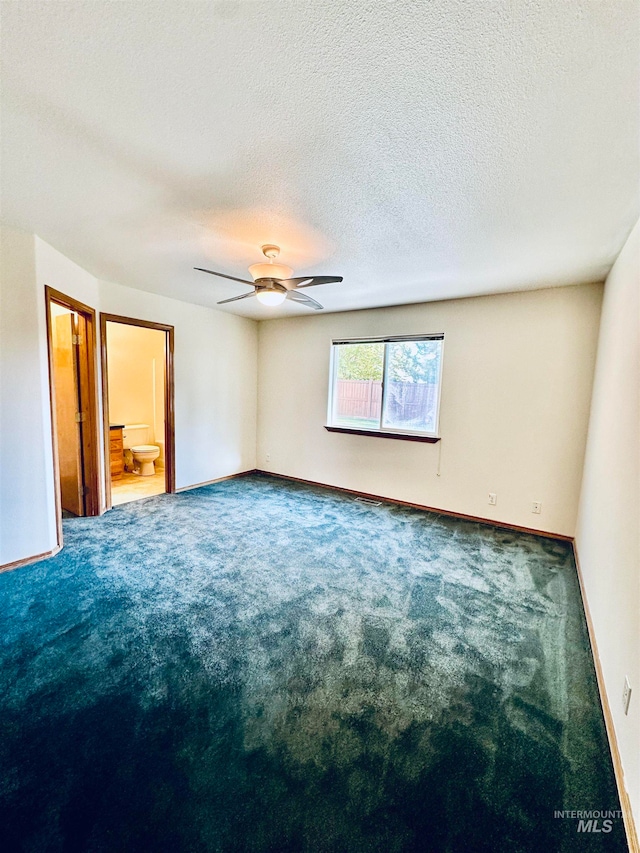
{"x":74,"y":405}
{"x":138,"y":394}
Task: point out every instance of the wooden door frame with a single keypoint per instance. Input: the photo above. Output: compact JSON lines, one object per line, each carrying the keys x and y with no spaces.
{"x":169,"y":406}
{"x":90,"y":461}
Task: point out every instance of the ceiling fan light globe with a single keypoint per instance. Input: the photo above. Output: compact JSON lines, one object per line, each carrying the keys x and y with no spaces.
{"x":266,"y":270}
{"x":271,"y":297}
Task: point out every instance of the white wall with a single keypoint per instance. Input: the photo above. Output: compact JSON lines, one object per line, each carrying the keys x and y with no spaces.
{"x":215,"y":356}
{"x":215,"y":371}
{"x":515,"y":400}
{"x":608,"y":529}
{"x":516,"y":389}
{"x":27,"y":509}
{"x":55,"y":270}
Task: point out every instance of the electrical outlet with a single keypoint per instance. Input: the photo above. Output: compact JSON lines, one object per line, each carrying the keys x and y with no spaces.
{"x":493,"y":498}
{"x":626,"y":694}
{"x":267,"y":457}
{"x":536,"y":507}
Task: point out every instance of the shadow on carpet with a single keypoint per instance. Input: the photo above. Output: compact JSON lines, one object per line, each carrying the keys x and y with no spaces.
{"x":265,"y":666}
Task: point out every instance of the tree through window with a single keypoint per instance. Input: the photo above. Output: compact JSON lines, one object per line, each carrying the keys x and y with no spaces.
{"x":389,"y":385}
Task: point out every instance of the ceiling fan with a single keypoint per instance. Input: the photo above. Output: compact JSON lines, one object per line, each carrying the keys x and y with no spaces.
{"x":272,"y":283}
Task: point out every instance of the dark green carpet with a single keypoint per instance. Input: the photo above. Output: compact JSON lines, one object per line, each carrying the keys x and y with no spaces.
{"x":264,"y":666}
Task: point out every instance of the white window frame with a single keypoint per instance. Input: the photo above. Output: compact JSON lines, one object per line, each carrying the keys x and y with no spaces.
{"x":380,"y":429}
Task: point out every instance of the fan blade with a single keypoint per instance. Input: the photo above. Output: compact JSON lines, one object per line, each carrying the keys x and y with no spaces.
{"x":235,"y":298}
{"x":224,"y":275}
{"x":303,"y":299}
{"x":311,"y":280}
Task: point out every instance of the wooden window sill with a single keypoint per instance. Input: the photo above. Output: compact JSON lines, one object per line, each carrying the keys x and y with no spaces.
{"x":404,"y":436}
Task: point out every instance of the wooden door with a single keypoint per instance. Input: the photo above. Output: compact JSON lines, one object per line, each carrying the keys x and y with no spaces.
{"x":68,"y":409}
{"x":88,"y":435}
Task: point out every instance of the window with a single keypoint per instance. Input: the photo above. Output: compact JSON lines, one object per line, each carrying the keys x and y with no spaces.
{"x":387,"y":386}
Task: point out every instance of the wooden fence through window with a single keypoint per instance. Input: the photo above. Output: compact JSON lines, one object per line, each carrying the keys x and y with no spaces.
{"x":407,"y":401}
{"x":359,"y":398}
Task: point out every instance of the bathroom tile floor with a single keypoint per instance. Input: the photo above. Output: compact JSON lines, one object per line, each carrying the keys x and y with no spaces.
{"x":132,"y":487}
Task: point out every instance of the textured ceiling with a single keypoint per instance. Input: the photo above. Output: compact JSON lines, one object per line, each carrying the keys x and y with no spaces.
{"x":423,"y":150}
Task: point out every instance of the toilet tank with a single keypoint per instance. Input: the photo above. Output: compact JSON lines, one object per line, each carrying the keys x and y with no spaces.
{"x":135,"y":434}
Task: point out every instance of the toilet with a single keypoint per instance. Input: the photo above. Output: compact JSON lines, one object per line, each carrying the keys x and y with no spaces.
{"x":135,"y":438}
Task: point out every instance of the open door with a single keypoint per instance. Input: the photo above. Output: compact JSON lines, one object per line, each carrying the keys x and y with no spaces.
{"x":125,"y":412}
{"x":73,"y":391}
{"x":68,"y":405}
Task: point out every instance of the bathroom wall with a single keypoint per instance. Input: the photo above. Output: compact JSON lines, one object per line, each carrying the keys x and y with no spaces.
{"x":136,"y":376}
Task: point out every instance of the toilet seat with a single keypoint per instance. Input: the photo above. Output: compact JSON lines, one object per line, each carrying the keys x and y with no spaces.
{"x":145,"y":454}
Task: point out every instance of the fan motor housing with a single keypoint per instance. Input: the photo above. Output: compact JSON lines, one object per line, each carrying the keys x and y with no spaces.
{"x":269,"y":284}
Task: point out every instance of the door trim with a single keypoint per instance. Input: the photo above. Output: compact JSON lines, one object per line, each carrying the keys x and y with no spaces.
{"x":90,"y":464}
{"x":169,"y":405}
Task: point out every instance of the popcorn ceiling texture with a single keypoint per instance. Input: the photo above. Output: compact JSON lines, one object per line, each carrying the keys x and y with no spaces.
{"x":422,"y":150}
{"x":265,"y":666}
